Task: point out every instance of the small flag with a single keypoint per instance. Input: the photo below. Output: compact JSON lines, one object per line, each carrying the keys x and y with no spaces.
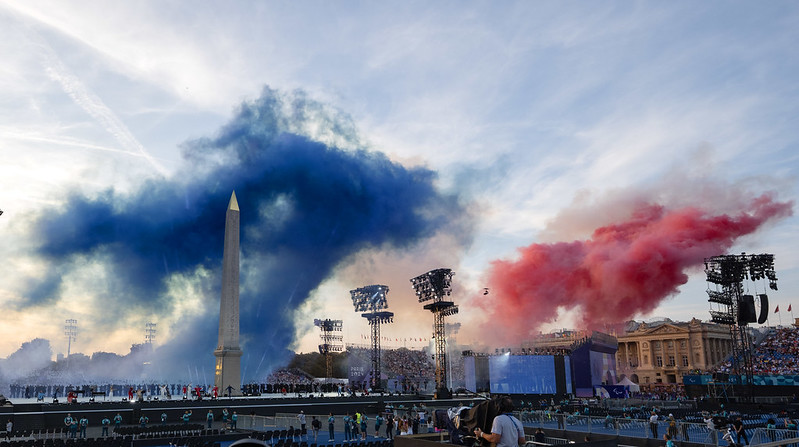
{"x":789,"y":308}
{"x":777,"y":309}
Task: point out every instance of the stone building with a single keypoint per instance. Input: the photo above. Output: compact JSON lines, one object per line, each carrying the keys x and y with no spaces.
{"x":661,"y":352}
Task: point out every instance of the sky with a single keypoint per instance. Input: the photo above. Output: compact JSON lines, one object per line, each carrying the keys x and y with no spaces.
{"x":371,"y":142}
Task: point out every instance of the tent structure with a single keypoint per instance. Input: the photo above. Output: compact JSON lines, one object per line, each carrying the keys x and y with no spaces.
{"x":632,"y":386}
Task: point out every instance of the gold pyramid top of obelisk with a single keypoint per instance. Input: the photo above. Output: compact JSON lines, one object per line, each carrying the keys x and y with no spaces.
{"x":233,"y":205}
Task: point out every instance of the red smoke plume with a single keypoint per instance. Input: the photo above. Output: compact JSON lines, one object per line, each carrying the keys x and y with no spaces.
{"x":624,"y":269}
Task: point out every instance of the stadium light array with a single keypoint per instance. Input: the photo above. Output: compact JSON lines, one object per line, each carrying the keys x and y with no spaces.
{"x":370,"y":298}
{"x":433,"y":285}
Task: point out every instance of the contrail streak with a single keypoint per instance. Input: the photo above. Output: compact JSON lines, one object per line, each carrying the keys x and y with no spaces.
{"x":91,"y":103}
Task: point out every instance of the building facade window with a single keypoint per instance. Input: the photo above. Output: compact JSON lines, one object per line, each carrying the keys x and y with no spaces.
{"x":685,"y":360}
{"x":659,"y":360}
{"x":671,"y":360}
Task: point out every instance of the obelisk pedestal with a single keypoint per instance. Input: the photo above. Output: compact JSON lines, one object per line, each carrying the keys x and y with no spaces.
{"x":227,"y":375}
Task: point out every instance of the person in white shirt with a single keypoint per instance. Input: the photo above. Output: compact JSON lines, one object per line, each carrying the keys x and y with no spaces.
{"x":506,"y":431}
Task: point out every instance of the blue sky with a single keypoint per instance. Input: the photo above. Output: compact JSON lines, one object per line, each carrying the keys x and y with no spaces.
{"x":527,"y":112}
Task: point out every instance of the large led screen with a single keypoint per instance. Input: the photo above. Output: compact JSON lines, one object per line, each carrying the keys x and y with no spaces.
{"x":522,"y":374}
{"x":567,"y":364}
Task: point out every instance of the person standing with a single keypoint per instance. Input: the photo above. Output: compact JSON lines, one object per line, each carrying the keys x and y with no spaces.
{"x":105,"y":423}
{"x":301,"y":418}
{"x":561,"y":418}
{"x":233,"y":419}
{"x":84,"y":424}
{"x":364,"y":426}
{"x":653,"y":424}
{"x":73,"y":428}
{"x":347,"y":428}
{"x":9,"y":429}
{"x":671,"y":430}
{"x":740,"y":431}
{"x":506,"y":431}
{"x":117,"y":422}
{"x":68,"y":421}
{"x":186,"y":416}
{"x":390,"y":426}
{"x":315,"y":426}
{"x":331,"y":421}
{"x":225,"y":415}
{"x":163,"y":418}
{"x":378,"y":423}
{"x":355,"y":422}
{"x":209,"y":418}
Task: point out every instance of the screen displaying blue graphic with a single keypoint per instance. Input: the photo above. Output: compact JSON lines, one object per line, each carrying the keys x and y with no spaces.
{"x":469,"y":374}
{"x":522,"y":374}
{"x":567,"y":363}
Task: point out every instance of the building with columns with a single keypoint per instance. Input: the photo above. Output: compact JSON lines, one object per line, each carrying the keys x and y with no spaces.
{"x":661,"y":352}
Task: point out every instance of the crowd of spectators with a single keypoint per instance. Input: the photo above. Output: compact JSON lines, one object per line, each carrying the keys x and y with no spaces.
{"x":107,"y":390}
{"x":407,"y":363}
{"x":777,"y":354}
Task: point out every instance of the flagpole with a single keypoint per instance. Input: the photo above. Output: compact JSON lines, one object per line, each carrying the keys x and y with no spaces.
{"x":779,"y":315}
{"x":791,"y":311}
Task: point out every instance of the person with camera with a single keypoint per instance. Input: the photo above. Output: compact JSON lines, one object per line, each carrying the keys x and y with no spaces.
{"x":506,"y":431}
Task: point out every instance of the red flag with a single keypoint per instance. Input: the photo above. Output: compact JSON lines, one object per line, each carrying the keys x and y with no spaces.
{"x":789,"y":308}
{"x":777,"y":309}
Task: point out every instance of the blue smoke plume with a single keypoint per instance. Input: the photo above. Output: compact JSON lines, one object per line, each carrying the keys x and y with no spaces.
{"x":305,"y":206}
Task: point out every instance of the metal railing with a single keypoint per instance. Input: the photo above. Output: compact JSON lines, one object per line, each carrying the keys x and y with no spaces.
{"x":639,"y":428}
{"x":766,"y":437}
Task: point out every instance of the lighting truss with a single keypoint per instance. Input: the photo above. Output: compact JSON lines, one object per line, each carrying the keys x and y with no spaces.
{"x":435,"y":286}
{"x":369,"y":298}
{"x":372,"y":300}
{"x":379,"y":317}
{"x":330,"y":342}
{"x":726,"y":274}
{"x":721,"y":317}
{"x":328,"y":324}
{"x":71,"y":332}
{"x":730,"y":269}
{"x":150,"y":329}
{"x":714,"y":296}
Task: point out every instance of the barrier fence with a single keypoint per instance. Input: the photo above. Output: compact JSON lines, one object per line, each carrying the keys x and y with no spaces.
{"x":642,"y":428}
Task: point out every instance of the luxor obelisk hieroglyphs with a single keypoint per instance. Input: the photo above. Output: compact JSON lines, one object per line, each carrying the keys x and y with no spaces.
{"x":227,"y":375}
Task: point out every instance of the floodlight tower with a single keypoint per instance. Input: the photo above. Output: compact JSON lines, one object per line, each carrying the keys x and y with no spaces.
{"x":71,"y":332}
{"x":435,"y":285}
{"x":149,"y":333}
{"x":330,"y":342}
{"x":727,"y":274}
{"x":372,"y":300}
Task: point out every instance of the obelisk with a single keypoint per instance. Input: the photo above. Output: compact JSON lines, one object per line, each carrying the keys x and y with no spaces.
{"x":227,"y":376}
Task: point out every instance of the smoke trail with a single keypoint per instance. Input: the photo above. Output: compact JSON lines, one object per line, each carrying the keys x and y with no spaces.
{"x":624,"y":269}
{"x":292,"y":192}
